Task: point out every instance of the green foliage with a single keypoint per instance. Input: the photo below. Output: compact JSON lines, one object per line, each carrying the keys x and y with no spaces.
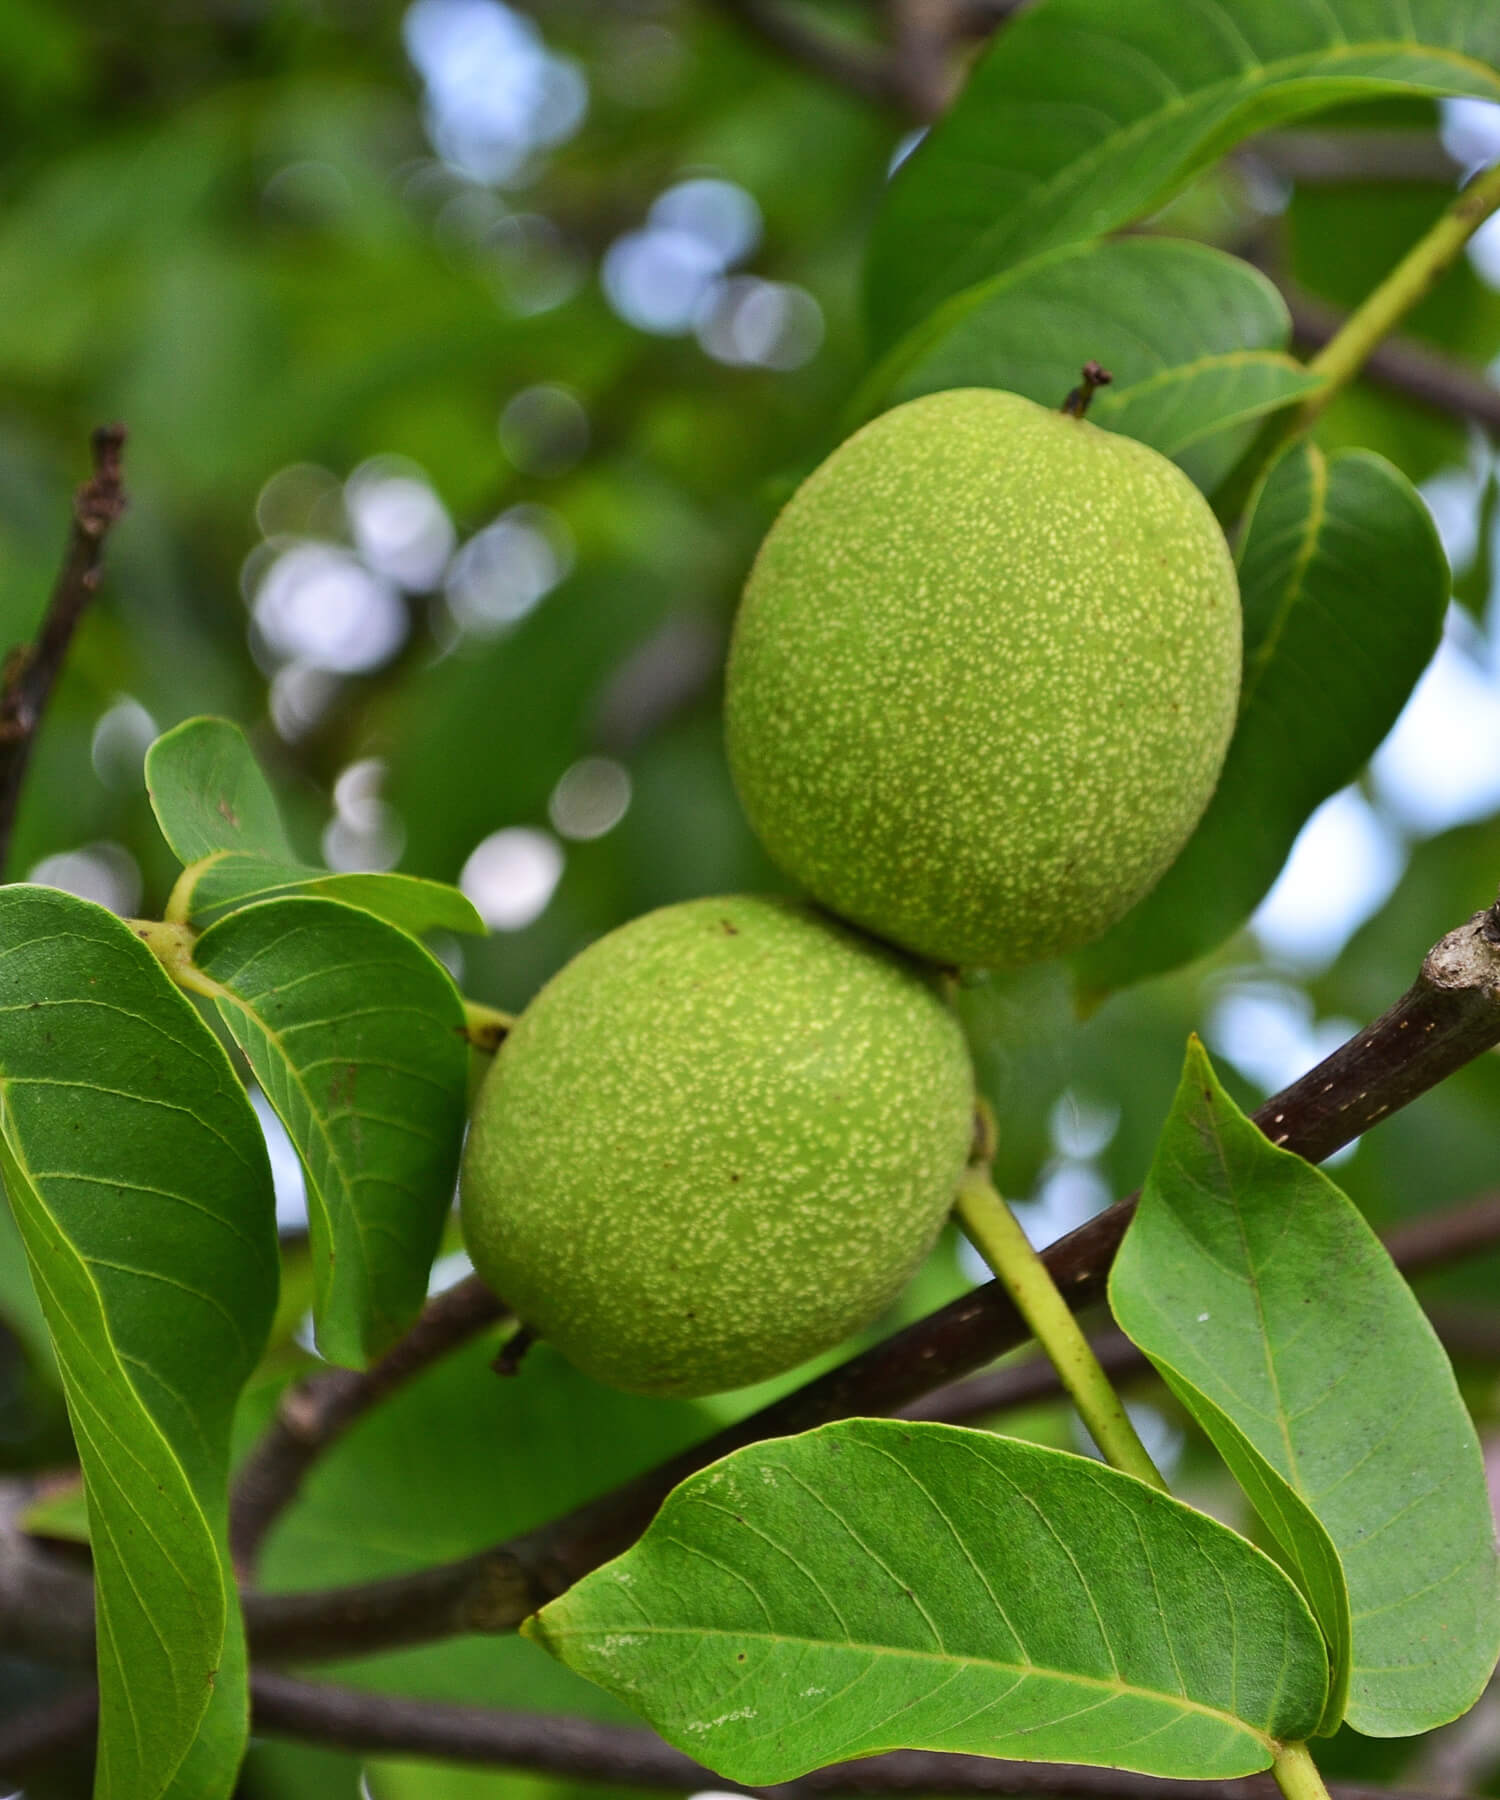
{"x":139,"y":1180}
{"x":1194,"y":339}
{"x":238,"y":236}
{"x":1081,"y":118}
{"x":874,"y":1584}
{"x":357,"y":1037}
{"x":1343,"y":583}
{"x":1342,"y":1422}
{"x":216,"y":810}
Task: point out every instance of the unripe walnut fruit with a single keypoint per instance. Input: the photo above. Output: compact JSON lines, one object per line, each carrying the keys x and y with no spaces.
{"x":717,"y":1143}
{"x":984,"y":676}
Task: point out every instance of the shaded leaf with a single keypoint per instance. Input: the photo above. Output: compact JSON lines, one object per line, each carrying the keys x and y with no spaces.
{"x":1192,"y":337}
{"x":355,"y":1033}
{"x":1259,"y":1292}
{"x":1085,"y":115}
{"x":1344,"y":584}
{"x":216,"y":810}
{"x":874,"y":1585}
{"x":138,"y":1176}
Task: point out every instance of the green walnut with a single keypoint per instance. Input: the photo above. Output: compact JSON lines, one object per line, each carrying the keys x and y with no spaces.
{"x":984,"y":676}
{"x":715,"y":1144}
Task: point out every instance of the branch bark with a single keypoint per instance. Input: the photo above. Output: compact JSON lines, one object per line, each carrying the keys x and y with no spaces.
{"x":31,"y":670}
{"x":348,"y":1719}
{"x":36,"y":1735}
{"x":314,"y":1413}
{"x":862,"y":69}
{"x":1449,"y":1015}
{"x":1445,"y":382}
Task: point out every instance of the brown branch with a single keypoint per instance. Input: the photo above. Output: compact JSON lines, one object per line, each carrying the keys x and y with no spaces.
{"x":31,"y":670}
{"x":41,"y":1732}
{"x":314,"y":1413}
{"x":863,"y":69}
{"x":923,"y":35}
{"x":1448,"y":383}
{"x":349,"y":1719}
{"x":1450,"y":1015}
{"x":1324,"y":158}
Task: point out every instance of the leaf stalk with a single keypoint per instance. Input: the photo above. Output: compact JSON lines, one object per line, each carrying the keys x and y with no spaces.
{"x":993,"y":1230}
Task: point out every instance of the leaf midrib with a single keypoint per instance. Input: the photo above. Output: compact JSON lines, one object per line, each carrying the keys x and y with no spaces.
{"x":1261,"y":76}
{"x":1026,"y":1671}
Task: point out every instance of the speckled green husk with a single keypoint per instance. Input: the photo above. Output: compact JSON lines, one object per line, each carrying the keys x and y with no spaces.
{"x":983,"y":677}
{"x":719,"y":1141}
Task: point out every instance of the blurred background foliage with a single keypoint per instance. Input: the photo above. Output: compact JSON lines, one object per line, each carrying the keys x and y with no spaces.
{"x":466,"y":354}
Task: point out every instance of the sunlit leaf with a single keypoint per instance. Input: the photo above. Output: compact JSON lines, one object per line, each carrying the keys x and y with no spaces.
{"x":1086,"y":114}
{"x":229,"y":879}
{"x":138,"y":1176}
{"x":1193,"y":339}
{"x":873,"y":1585}
{"x":208,"y":794}
{"x":1279,"y":1320}
{"x":1344,"y":583}
{"x":216,"y":810}
{"x":356,"y":1035}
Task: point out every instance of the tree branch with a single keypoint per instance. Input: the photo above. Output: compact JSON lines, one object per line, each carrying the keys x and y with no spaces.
{"x":314,"y":1413}
{"x":1450,"y":1015}
{"x":30,"y":1737}
{"x":31,"y":670}
{"x":1446,"y":382}
{"x":862,"y":69}
{"x":349,"y":1719}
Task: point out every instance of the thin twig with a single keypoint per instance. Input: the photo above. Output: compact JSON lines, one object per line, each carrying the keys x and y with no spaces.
{"x":31,"y":670}
{"x":862,"y":69}
{"x":314,"y":1413}
{"x":350,"y":1719}
{"x":1450,"y":1015}
{"x":1332,"y":158}
{"x":923,"y":35}
{"x":28,"y":1738}
{"x":1446,"y":382}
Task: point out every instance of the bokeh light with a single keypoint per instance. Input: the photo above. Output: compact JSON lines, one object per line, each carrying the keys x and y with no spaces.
{"x":512,"y":875}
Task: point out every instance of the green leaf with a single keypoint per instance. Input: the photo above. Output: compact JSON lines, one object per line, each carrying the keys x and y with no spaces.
{"x":208,"y":794}
{"x":370,"y":1508}
{"x":875,"y":1585}
{"x":1085,"y":115}
{"x":216,"y":810}
{"x":356,"y":1035}
{"x":139,"y":1179}
{"x":1193,"y":338}
{"x":230,"y":879}
{"x":1280,"y":1321}
{"x":1344,"y":584}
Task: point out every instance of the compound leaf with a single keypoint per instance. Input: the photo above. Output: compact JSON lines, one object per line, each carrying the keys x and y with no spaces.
{"x":1194,"y":339}
{"x":1279,"y":1320}
{"x":355,"y":1033}
{"x":1344,"y":582}
{"x":1086,"y":114}
{"x":138,"y":1177}
{"x":876,"y":1585}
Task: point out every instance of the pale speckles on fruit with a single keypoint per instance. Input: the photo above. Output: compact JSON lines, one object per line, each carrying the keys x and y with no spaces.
{"x":984,"y":676}
{"x":717,"y":1143}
